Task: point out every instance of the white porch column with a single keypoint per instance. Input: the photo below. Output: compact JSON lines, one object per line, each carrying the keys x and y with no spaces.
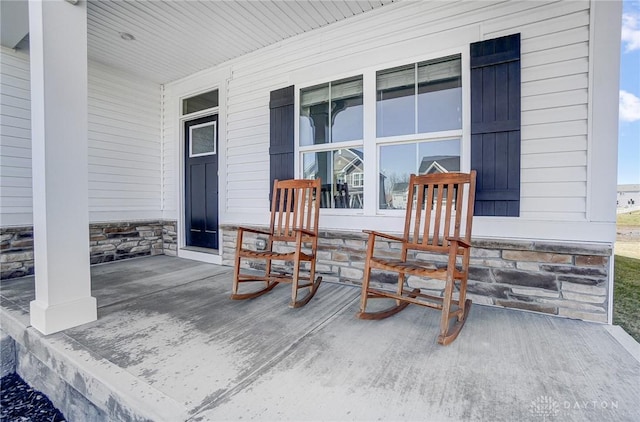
{"x":58,"y":50}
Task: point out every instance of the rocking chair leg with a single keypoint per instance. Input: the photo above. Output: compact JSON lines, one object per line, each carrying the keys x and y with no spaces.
{"x":365,"y":288}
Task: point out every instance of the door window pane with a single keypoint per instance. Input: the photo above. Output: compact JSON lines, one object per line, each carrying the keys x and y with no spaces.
{"x":200,"y":102}
{"x":396,"y":101}
{"x":439,"y":95}
{"x":337,"y":169}
{"x":397,"y":162}
{"x":202,"y":139}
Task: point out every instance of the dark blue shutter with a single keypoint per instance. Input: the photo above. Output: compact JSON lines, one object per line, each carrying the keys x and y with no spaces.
{"x":281,"y":134}
{"x":495,"y":125}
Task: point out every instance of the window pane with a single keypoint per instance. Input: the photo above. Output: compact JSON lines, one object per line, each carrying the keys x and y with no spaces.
{"x":342,"y":187}
{"x":200,"y":102}
{"x":346,"y":110}
{"x":396,"y":101}
{"x":439,"y":95}
{"x":397,"y":162}
{"x":203,"y":139}
{"x":314,"y":115}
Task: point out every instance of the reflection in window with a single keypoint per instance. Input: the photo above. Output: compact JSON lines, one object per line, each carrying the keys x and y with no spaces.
{"x":336,"y":169}
{"x":419,"y":98}
{"x":399,"y":161}
{"x":331,"y":112}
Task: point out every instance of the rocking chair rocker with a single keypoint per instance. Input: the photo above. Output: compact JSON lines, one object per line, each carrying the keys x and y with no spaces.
{"x":438,"y":222}
{"x":295,"y":209}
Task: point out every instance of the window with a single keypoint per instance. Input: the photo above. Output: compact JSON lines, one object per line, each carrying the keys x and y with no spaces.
{"x":423,"y":99}
{"x":331,"y":138}
{"x":200,"y":102}
{"x":419,"y":98}
{"x":418,"y":121}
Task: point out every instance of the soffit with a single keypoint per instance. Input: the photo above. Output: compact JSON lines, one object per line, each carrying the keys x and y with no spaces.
{"x":174,"y":39}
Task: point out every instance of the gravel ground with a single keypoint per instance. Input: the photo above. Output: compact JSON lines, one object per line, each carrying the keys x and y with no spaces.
{"x":20,"y":402}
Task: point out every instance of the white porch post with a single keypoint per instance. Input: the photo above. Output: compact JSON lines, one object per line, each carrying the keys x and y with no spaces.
{"x":58,"y":50}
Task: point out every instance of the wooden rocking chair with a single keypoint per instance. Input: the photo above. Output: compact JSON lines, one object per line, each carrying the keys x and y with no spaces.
{"x":438,"y":221}
{"x":295,"y":209}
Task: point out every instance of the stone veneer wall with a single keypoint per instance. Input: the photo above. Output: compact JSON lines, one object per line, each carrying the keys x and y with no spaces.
{"x":565,"y":279}
{"x":107,"y":242}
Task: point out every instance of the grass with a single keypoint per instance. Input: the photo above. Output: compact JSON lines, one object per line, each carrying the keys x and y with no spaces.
{"x":626,"y":291}
{"x":626,"y":295}
{"x":628,"y":219}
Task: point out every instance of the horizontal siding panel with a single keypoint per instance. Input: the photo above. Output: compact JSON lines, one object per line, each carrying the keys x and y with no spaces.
{"x":556,"y":69}
{"x":542,"y":20}
{"x":16,"y":152}
{"x":559,"y":159}
{"x":15,"y":162}
{"x":124,"y":194}
{"x":132,"y":172}
{"x":124,"y":157}
{"x":17,"y":192}
{"x":557,"y":39}
{"x":15,"y":102}
{"x":104,"y":204}
{"x":122,"y":140}
{"x":554,"y":99}
{"x":554,"y":130}
{"x":17,"y":132}
{"x":563,"y":205}
{"x":15,"y":182}
{"x":554,"y":190}
{"x":569,"y":143}
{"x":553,"y":216}
{"x":134,"y":150}
{"x":13,"y":92}
{"x":101,"y":160}
{"x":15,"y":122}
{"x":16,"y":112}
{"x":560,"y":54}
{"x":552,"y":115}
{"x":8,"y":172}
{"x":554,"y":175}
{"x":554,"y":85}
{"x":15,"y":82}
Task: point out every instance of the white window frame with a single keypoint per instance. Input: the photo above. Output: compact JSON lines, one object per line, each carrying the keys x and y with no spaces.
{"x":371,"y":144}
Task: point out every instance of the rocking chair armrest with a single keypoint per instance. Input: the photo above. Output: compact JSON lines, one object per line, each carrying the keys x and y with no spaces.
{"x":460,"y":241}
{"x":384,"y":235}
{"x":250,"y":230}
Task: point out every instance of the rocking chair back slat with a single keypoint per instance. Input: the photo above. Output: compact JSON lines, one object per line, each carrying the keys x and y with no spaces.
{"x":294,"y":208}
{"x":437,"y":206}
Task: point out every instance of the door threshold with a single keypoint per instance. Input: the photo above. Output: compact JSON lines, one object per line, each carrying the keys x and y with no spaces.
{"x":201,"y":250}
{"x":196,"y":253}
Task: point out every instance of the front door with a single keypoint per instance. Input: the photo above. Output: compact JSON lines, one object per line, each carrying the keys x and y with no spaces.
{"x":201,"y":182}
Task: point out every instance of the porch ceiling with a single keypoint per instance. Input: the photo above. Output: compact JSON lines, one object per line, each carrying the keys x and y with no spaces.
{"x":174,"y":39}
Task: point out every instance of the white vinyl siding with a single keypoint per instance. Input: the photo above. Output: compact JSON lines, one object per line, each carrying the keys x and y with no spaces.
{"x":125,"y":154}
{"x":555,"y":81}
{"x":15,"y":142}
{"x":124,"y":145}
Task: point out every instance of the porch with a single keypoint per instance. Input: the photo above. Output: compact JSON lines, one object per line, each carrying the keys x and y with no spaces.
{"x":170,"y":345}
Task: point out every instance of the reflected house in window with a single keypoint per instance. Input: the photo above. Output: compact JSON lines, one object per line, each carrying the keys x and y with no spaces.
{"x":439,"y":164}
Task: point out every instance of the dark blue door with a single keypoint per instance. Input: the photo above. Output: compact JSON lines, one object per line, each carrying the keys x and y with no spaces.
{"x":201,"y":182}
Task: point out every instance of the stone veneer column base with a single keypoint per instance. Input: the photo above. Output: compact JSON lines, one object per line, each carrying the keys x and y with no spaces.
{"x":559,"y":278}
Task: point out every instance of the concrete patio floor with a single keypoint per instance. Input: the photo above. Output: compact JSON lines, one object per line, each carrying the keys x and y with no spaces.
{"x":169,"y":345}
